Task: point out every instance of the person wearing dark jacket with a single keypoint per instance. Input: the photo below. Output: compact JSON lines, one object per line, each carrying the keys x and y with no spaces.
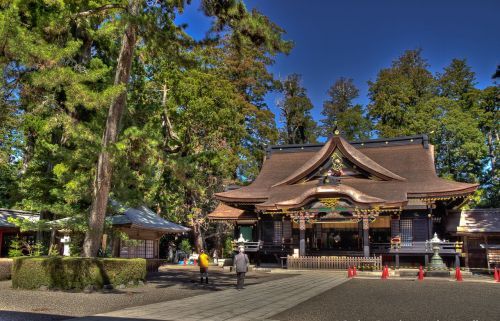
{"x":241,"y":266}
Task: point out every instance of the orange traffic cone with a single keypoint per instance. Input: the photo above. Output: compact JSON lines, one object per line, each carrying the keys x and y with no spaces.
{"x":349,"y":272}
{"x":185,"y":261}
{"x":354,"y":272}
{"x":385,"y":273}
{"x":497,"y":275}
{"x":458,"y":274}
{"x":420,"y":273}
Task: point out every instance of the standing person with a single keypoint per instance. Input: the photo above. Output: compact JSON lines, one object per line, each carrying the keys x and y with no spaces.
{"x":241,"y":266}
{"x":216,"y":257}
{"x":203,"y":260}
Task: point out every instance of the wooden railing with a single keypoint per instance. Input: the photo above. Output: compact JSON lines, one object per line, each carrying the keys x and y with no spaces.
{"x":249,"y":246}
{"x":263,"y":246}
{"x":333,"y":262}
{"x":446,"y":248}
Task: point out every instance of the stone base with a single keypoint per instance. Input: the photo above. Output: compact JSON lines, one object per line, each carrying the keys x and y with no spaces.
{"x":408,"y":272}
{"x":438,"y":273}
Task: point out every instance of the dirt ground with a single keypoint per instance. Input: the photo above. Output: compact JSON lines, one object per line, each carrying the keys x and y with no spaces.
{"x":171,"y":283}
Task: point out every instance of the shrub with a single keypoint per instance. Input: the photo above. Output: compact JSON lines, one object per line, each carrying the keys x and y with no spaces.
{"x":5,"y":269}
{"x":228,"y":247}
{"x":15,"y":248}
{"x":186,"y":246}
{"x":68,"y":273}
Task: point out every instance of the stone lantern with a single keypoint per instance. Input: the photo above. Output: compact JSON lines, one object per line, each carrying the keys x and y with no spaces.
{"x":436,"y":267}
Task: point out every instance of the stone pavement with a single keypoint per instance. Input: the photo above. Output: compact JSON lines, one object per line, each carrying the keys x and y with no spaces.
{"x":255,"y":302}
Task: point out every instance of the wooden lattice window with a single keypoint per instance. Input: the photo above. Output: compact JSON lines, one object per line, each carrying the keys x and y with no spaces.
{"x":406,"y":229}
{"x":138,"y":249}
{"x":278,"y":232}
{"x":287,"y":229}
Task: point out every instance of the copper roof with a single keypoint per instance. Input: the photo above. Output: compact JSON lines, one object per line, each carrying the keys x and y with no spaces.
{"x":226,"y":212}
{"x":402,"y":168}
{"x":474,"y":221}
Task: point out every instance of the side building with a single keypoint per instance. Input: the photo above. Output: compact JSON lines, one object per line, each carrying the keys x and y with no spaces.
{"x":377,"y":197}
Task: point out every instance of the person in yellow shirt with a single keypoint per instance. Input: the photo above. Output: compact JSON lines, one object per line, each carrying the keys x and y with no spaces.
{"x":203,"y":261}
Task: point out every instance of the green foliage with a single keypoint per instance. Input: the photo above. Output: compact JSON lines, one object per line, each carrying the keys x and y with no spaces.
{"x":340,"y":112}
{"x":228,"y":247}
{"x":76,"y":244}
{"x":399,"y":95}
{"x":37,"y":249}
{"x":59,"y":60}
{"x":15,"y":247}
{"x":299,"y":127}
{"x":75,"y":273}
{"x":406,"y":99}
{"x":185,"y":246}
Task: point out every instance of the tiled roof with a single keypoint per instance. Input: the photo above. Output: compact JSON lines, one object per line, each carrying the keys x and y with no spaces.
{"x":145,"y":218}
{"x":6,"y":213}
{"x":226,"y":212}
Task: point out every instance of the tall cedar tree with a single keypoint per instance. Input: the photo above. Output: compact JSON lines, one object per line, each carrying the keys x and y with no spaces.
{"x":61,"y":59}
{"x":341,"y":113}
{"x":407,"y":100}
{"x":295,"y":108}
{"x":399,"y":93}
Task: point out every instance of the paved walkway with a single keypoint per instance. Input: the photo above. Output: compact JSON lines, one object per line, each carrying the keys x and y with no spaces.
{"x":255,"y":302}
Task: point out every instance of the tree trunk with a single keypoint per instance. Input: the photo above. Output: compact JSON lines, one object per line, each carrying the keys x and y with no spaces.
{"x":197,"y":235}
{"x":492,"y":152}
{"x":102,"y":181}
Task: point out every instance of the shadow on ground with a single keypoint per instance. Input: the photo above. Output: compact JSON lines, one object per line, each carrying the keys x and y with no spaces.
{"x":217,"y":279}
{"x":172,"y":283}
{"x":28,"y":316}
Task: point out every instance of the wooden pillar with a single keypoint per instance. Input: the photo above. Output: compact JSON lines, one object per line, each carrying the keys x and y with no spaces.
{"x":429,"y":222}
{"x":302,"y":241}
{"x":465,"y":250}
{"x":487,"y":252}
{"x":259,"y":228}
{"x":366,"y":240}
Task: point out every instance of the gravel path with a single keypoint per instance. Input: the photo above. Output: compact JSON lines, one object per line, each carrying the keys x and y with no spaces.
{"x":405,"y":300}
{"x":170,"y":284}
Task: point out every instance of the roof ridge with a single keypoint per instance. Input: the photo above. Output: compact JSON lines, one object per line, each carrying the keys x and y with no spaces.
{"x":421,"y":139}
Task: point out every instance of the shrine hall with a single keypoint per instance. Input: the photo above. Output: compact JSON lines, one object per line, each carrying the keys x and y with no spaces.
{"x":379,"y":197}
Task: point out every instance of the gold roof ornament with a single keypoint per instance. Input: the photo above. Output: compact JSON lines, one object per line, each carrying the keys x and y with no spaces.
{"x":337,"y":163}
{"x":330,"y":202}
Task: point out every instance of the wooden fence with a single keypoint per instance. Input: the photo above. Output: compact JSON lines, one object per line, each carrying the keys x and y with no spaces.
{"x":334,"y":262}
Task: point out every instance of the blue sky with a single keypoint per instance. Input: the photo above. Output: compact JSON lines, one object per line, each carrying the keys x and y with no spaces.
{"x":355,"y":39}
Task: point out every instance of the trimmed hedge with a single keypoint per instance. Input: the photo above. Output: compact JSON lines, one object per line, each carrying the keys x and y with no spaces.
{"x":68,"y":273}
{"x":5,"y":269}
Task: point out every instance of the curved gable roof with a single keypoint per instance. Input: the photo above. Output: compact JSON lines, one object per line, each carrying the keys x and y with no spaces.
{"x":351,"y":153}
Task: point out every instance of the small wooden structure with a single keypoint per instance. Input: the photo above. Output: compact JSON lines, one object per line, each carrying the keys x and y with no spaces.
{"x":479,"y":230}
{"x":144,"y":229}
{"x":9,"y":230}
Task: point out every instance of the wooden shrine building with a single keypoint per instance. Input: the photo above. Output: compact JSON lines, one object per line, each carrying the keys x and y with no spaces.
{"x":376,"y":197}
